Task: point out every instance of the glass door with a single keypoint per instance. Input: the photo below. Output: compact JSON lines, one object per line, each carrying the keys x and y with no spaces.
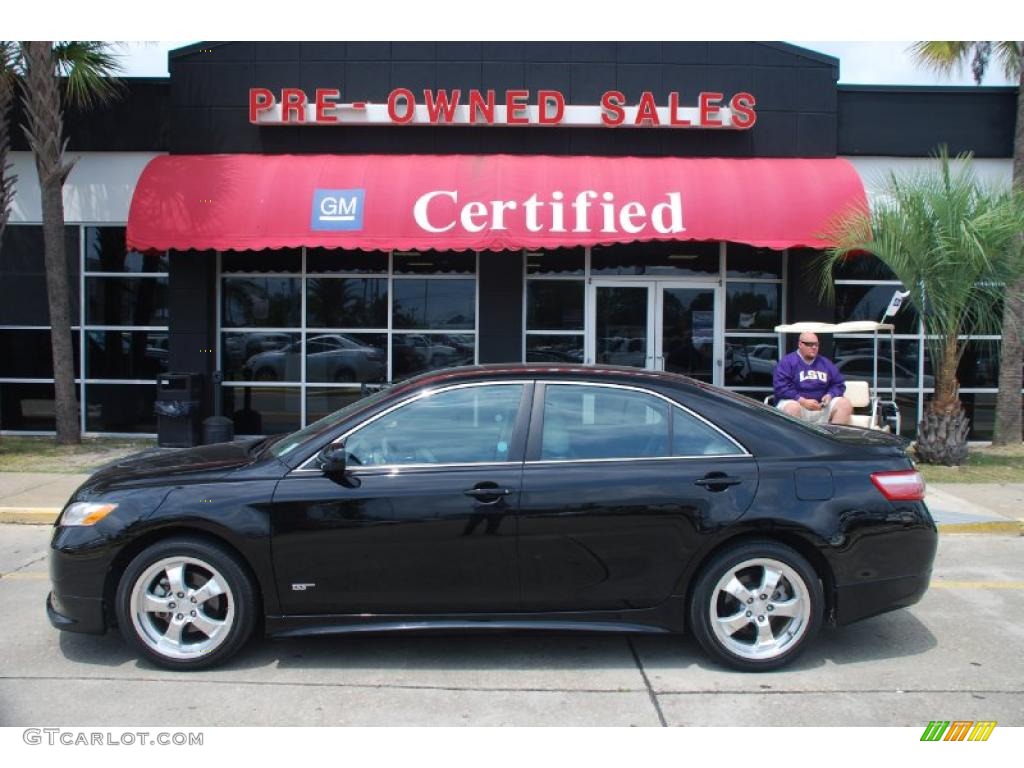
{"x":621,"y":324}
{"x":657,"y":324}
{"x":686,"y":331}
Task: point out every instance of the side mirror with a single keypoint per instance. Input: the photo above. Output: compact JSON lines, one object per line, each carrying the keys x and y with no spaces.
{"x":332,"y":459}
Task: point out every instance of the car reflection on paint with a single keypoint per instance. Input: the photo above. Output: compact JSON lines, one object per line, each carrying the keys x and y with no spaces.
{"x":544,"y":497}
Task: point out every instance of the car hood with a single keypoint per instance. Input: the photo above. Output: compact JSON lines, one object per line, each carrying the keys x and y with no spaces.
{"x":173,"y":466}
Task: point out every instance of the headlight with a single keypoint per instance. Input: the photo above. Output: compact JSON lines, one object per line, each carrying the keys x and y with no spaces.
{"x":85,"y":513}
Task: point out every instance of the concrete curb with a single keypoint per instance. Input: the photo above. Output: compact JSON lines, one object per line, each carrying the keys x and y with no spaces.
{"x":29,"y":515}
{"x":1002,"y":527}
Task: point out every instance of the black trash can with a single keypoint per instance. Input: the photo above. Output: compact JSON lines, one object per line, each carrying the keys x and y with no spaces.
{"x":178,"y":409}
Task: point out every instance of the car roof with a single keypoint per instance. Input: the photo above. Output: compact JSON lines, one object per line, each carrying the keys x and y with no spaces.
{"x":619,"y":374}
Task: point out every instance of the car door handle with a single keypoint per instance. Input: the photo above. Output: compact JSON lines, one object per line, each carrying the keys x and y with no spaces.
{"x":488,"y":496}
{"x":484,"y":493}
{"x":718,"y":482}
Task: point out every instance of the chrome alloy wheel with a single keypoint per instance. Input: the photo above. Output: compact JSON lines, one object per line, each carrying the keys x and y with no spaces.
{"x":182,"y":608}
{"x":759,"y":609}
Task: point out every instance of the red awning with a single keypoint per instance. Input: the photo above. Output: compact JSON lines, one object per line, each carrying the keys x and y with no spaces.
{"x":482,"y":202}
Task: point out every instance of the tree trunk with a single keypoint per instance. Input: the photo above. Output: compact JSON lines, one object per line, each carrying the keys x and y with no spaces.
{"x":1008,"y":401}
{"x":7,"y":178}
{"x":942,"y":436}
{"x":44,"y":129}
{"x":942,"y":433}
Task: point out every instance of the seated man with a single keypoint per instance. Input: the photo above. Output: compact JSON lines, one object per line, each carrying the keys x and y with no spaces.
{"x":809,"y":387}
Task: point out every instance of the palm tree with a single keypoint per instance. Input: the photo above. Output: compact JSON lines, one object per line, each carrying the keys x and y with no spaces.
{"x":7,"y":178}
{"x":84,"y":69}
{"x":954,"y":245}
{"x":947,"y":57}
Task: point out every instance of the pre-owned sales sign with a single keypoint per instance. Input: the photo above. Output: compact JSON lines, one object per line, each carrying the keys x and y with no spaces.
{"x":710,"y":109}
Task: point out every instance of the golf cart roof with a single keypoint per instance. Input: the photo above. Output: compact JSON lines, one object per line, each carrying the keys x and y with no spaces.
{"x":854,"y":326}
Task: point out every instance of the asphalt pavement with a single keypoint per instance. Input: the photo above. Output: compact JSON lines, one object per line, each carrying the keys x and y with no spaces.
{"x":958,"y":654}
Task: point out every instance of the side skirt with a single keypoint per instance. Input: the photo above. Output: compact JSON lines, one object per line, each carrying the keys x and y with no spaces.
{"x":667,"y":618}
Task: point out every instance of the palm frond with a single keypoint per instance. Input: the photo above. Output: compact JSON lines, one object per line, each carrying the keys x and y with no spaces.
{"x":946,"y":57}
{"x":90,"y":69}
{"x":951,"y":242}
{"x":1008,"y":54}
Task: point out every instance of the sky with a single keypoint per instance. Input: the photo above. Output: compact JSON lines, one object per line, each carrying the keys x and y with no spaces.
{"x":863,"y":63}
{"x":878,"y":32}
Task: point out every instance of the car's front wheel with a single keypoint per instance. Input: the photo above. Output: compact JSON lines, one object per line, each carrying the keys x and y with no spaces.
{"x":186,"y":603}
{"x":756,"y":606}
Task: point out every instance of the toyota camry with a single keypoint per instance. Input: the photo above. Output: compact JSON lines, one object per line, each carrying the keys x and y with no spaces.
{"x":503,"y":497}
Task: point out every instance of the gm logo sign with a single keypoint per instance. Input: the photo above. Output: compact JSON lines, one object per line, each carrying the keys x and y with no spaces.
{"x":338,"y":209}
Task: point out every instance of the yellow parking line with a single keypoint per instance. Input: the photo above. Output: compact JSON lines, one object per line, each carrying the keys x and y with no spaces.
{"x":945,"y":584}
{"x":25,"y":576}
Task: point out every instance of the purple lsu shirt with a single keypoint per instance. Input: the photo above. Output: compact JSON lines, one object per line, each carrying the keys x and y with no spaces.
{"x":794,"y":378}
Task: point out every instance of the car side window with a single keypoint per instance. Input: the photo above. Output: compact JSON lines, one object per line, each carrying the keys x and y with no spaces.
{"x":602,"y":423}
{"x":692,"y":437}
{"x":458,"y":426}
{"x":583,"y":422}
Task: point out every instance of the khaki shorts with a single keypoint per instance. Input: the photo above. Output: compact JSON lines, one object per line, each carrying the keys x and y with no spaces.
{"x":814,"y":417}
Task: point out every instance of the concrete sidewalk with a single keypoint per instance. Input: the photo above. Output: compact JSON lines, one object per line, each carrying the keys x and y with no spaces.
{"x":38,"y":497}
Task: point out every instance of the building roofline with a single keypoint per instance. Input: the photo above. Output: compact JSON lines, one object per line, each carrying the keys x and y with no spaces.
{"x":188,"y":50}
{"x":848,"y":88}
{"x":807,"y":53}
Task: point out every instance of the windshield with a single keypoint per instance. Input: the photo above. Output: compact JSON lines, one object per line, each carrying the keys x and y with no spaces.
{"x":285,"y":445}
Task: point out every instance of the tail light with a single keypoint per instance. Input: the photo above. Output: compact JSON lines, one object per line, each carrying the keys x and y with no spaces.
{"x":903,"y":485}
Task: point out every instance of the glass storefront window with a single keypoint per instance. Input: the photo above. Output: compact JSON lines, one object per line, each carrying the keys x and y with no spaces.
{"x":263,"y":410}
{"x":120,"y":408}
{"x":654,"y":258}
{"x":752,"y":306}
{"x":340,"y":302}
{"x":979,"y":366}
{"x":550,"y":348}
{"x":752,"y":263}
{"x":561,"y":261}
{"x":322,"y":401}
{"x":260,"y":356}
{"x":555,"y":305}
{"x":126,"y":301}
{"x":26,"y":354}
{"x":434,"y":304}
{"x":126,"y":354}
{"x":105,"y":252}
{"x":28,"y":407}
{"x":868,"y":302}
{"x":750,"y":361}
{"x":325,"y":260}
{"x":855,"y":360}
{"x":284,"y":260}
{"x":435,"y":263}
{"x":347,"y":357}
{"x":862,"y":267}
{"x":413,"y":353}
{"x":262,"y":302}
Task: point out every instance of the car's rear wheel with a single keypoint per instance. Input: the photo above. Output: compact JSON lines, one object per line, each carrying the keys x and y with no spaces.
{"x":756,"y":606}
{"x":186,"y":603}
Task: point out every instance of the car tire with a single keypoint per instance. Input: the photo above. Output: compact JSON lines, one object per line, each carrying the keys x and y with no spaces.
{"x":206,"y":619}
{"x":756,"y":606}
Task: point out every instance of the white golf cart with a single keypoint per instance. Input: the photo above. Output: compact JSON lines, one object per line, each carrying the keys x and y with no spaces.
{"x":870,"y":411}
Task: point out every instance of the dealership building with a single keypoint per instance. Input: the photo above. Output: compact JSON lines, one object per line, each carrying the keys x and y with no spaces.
{"x":316,"y":219}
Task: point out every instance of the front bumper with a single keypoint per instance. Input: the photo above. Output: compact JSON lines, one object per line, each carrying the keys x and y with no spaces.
{"x":76,"y":614}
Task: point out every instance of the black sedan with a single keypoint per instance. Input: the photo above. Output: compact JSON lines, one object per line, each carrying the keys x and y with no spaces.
{"x":498,"y":497}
